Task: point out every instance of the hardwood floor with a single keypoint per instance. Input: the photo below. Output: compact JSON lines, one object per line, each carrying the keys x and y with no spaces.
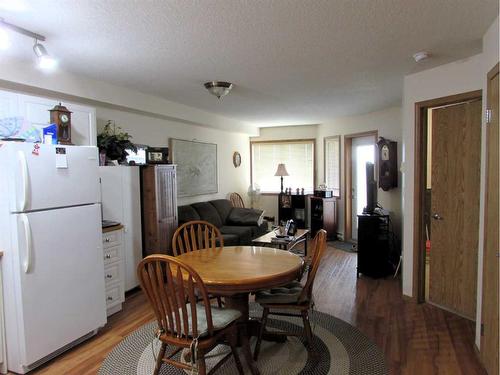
{"x":416,"y":339}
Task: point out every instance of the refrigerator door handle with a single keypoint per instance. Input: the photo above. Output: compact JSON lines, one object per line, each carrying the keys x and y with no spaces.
{"x":28,"y":241}
{"x":24,"y":175}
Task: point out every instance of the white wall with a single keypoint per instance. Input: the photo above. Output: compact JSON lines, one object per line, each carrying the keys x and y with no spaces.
{"x":150,"y":120}
{"x":388,"y":124}
{"x":454,"y":78}
{"x":15,"y":74}
{"x":156,"y":132}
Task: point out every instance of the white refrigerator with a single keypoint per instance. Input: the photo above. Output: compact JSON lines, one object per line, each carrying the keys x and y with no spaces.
{"x":50,"y":233}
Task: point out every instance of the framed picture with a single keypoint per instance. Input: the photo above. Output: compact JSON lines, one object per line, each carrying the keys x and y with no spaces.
{"x":157,"y":155}
{"x":196,"y":167}
{"x":286,"y":200}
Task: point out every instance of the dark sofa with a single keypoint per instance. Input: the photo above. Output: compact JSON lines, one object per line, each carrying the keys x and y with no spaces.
{"x":238,"y":226}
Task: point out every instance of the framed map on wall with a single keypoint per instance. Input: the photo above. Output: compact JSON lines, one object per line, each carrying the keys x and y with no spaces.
{"x":196,"y":167}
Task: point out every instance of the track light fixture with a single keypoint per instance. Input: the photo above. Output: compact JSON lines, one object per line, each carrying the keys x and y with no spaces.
{"x":44,"y":60}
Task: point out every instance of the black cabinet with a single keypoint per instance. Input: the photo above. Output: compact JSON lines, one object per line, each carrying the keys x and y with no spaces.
{"x":374,"y":247}
{"x":292,"y":207}
{"x":324,"y":216}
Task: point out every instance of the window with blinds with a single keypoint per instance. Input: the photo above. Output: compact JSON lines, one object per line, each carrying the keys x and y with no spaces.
{"x":298,"y":157}
{"x":332,"y":164}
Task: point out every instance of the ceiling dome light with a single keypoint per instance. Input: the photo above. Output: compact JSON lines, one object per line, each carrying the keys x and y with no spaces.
{"x":421,"y":56}
{"x":218,"y":88}
{"x":45,"y":62}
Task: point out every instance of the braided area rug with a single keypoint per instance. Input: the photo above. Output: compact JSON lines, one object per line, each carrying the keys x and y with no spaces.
{"x":338,"y":348}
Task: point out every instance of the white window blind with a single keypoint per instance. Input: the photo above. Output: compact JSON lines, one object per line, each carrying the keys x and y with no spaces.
{"x":332,"y":164}
{"x":298,"y":157}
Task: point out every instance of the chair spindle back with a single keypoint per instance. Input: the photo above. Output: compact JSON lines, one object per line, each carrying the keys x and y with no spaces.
{"x":196,"y":235}
{"x":172,"y":288}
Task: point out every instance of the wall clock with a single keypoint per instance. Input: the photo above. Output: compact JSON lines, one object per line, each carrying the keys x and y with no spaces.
{"x":236,"y":159}
{"x":61,"y":116}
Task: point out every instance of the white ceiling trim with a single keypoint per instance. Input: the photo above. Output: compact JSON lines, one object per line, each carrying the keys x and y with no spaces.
{"x":22,"y":76}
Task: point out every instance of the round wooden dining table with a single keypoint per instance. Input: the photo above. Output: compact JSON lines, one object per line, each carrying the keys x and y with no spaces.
{"x":236,"y":271}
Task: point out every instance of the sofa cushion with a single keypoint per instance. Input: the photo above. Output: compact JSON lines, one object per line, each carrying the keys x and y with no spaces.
{"x":245,"y":216}
{"x":223,"y":207}
{"x":187,"y":213}
{"x":230,"y":239}
{"x":260,"y":230}
{"x":208,"y":213}
{"x":243,"y":232}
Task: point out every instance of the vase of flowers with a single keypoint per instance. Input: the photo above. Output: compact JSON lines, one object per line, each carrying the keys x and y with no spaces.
{"x":113,"y":144}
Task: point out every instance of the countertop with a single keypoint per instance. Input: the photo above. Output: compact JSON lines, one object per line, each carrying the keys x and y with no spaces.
{"x":111,"y":229}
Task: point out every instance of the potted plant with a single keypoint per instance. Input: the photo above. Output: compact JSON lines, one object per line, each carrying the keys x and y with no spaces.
{"x":114,"y":143}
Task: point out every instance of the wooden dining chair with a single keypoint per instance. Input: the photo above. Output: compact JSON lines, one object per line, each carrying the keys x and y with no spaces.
{"x":184,"y":315}
{"x":236,"y":200}
{"x":196,"y":235}
{"x":294,"y":297}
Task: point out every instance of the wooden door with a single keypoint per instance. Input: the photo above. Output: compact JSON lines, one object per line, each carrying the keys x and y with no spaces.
{"x":456,"y":152}
{"x":489,"y":339}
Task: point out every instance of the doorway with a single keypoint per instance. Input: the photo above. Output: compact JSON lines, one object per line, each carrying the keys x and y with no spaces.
{"x":363,"y":151}
{"x":448,"y":158}
{"x":359,"y":149}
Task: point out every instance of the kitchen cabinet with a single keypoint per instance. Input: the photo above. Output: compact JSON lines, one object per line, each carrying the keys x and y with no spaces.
{"x":114,"y":268}
{"x":159,"y":208}
{"x":121,"y":202}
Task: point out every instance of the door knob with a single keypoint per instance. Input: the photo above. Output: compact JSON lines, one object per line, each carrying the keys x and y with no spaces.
{"x":437,"y":217}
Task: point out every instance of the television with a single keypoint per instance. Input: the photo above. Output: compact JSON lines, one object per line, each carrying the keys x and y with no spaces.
{"x":371,"y":189}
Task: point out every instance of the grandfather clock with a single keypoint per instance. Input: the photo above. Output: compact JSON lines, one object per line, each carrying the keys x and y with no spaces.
{"x":61,"y":116}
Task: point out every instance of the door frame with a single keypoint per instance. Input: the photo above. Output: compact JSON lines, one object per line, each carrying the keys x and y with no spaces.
{"x":420,"y":164}
{"x":348,"y":177}
{"x":491,"y":74}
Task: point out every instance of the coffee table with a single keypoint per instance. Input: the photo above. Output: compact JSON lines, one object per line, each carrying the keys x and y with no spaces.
{"x":267,"y":240}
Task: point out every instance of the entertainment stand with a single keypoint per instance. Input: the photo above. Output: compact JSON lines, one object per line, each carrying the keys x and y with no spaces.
{"x":374,"y":245}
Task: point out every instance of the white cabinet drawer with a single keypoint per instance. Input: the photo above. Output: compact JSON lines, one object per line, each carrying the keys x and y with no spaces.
{"x":114,"y":296}
{"x":112,"y":273}
{"x":110,"y":239}
{"x":112,"y":254}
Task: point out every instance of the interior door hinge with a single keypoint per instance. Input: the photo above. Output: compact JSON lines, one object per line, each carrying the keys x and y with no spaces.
{"x":482,"y":329}
{"x":488,"y":116}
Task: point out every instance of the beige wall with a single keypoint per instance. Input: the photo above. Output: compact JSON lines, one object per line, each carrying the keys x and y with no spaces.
{"x":388,"y":124}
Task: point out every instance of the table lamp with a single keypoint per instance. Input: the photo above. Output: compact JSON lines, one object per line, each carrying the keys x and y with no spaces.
{"x":281,"y":171}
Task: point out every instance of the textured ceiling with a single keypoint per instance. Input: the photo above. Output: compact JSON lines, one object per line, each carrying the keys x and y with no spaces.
{"x":292,"y":61}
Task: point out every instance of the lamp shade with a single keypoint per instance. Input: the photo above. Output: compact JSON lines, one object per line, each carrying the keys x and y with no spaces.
{"x":281,"y":171}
